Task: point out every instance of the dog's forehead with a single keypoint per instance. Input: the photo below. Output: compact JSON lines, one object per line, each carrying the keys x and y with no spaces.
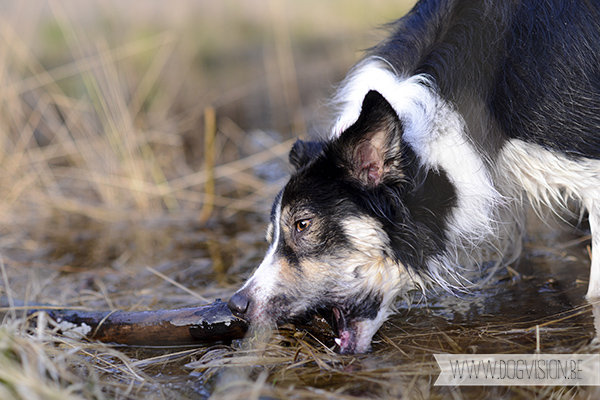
{"x":302,"y":202}
{"x":299,"y":189}
{"x":314,"y":186}
{"x":275,"y":209}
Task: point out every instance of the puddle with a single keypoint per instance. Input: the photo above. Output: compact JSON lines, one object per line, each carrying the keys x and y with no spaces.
{"x":538,"y":303}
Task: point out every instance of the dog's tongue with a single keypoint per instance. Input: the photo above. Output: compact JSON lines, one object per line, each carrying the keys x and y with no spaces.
{"x":347,"y":342}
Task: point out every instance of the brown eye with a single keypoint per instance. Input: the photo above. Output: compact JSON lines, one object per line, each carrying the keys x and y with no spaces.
{"x":302,"y":225}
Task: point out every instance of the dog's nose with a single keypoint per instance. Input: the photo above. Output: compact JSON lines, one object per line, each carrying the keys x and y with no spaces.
{"x":238,"y":304}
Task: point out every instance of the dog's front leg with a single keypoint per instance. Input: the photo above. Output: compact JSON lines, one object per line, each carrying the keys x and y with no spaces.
{"x":593,"y":206}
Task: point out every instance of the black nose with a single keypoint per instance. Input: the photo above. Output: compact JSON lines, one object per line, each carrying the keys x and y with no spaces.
{"x":238,"y":304}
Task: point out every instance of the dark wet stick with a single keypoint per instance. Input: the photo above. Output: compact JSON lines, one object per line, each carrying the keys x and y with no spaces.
{"x":194,"y":325}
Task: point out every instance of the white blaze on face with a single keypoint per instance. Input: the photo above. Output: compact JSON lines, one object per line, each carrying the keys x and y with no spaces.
{"x":264,"y":279}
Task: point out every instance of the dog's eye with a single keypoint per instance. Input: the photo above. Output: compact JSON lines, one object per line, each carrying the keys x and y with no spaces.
{"x":302,"y":225}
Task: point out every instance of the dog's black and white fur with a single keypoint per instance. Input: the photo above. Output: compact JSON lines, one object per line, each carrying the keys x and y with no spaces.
{"x":469,"y":108}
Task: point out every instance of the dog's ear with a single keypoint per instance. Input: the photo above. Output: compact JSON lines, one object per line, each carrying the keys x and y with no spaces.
{"x":302,"y":152}
{"x":373,"y":145}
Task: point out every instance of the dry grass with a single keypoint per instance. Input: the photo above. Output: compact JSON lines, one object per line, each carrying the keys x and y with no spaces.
{"x":103,"y":105}
{"x":105,"y":169}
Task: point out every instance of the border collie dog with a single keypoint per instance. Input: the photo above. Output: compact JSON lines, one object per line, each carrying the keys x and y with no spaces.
{"x":468,"y":110}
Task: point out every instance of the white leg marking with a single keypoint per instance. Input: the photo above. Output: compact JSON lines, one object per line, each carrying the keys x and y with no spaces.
{"x":593,"y":292}
{"x":552,"y":179}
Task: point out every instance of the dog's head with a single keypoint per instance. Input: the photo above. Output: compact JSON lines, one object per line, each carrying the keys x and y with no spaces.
{"x":341,"y":236}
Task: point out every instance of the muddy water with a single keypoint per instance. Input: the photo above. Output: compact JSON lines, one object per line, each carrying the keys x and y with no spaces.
{"x":537,"y":304}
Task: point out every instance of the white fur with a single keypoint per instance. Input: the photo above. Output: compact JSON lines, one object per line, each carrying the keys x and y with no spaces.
{"x":593,"y":206}
{"x":437,"y":134}
{"x":264,"y":279}
{"x":552,"y":179}
{"x":367,"y":235}
{"x":381,"y":273}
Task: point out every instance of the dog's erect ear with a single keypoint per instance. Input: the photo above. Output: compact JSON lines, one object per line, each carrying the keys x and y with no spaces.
{"x":373,"y":145}
{"x":302,"y":152}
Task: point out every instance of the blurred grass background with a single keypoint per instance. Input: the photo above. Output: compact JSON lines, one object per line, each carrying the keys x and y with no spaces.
{"x":103,"y":104}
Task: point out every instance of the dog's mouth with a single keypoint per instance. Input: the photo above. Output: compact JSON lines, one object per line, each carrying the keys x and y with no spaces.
{"x":346,"y":338}
{"x":346,"y":332}
{"x":351,"y":333}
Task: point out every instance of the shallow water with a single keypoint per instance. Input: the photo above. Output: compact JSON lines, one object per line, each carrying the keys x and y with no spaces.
{"x":536,"y":304}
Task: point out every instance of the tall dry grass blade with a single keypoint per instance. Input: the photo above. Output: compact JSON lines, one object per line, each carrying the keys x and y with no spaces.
{"x":7,"y":290}
{"x":227,"y":169}
{"x":286,"y":64}
{"x":177,"y":284}
{"x":210,"y":133}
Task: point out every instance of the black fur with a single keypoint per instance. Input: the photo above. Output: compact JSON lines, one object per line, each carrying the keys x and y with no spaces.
{"x":535,"y":64}
{"x":411,"y":202}
{"x":553,"y":66}
{"x":302,"y":152}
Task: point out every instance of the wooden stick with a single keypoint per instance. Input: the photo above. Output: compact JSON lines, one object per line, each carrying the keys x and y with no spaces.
{"x":203,"y":324}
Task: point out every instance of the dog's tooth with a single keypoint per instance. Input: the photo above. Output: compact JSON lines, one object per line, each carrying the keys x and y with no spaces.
{"x":336,"y":313}
{"x":338,"y":341}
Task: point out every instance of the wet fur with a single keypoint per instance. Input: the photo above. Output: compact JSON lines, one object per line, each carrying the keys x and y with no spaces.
{"x":443,"y":131}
